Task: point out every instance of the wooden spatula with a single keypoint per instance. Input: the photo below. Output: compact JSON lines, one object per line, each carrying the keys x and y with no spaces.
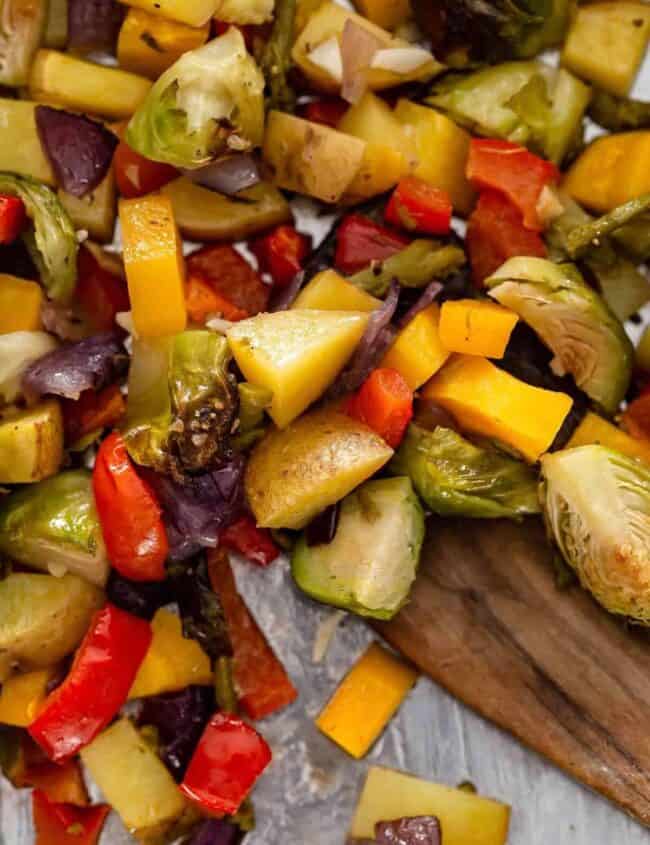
{"x":487,"y":621}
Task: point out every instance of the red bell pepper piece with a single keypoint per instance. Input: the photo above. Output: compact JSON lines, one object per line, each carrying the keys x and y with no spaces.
{"x":12,"y":218}
{"x":255,"y":544}
{"x":97,"y":685}
{"x":418,"y":206}
{"x":65,"y":824}
{"x":281,"y":253}
{"x":495,"y":232}
{"x":513,"y":171}
{"x":636,"y":417}
{"x":359,"y":241}
{"x":202,"y":300}
{"x":136,"y":175}
{"x":227,"y":761}
{"x":100,"y":293}
{"x":384,"y":403}
{"x":261,"y":681}
{"x":328,"y":111}
{"x":231,"y":276}
{"x":129,"y":513}
{"x":91,"y":411}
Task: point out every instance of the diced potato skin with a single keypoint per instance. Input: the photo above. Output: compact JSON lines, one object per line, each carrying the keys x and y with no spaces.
{"x":204,"y":215}
{"x":294,"y":474}
{"x":606,"y":43}
{"x":31,"y":444}
{"x":20,"y":305}
{"x":22,"y":695}
{"x":328,"y":291}
{"x":464,"y":817}
{"x":417,"y":352}
{"x":389,"y":14}
{"x":366,"y":700}
{"x":96,"y":212}
{"x":475,"y":327}
{"x":61,"y":79}
{"x":21,"y":150}
{"x":148,"y":44}
{"x":381,"y":169}
{"x":596,"y":430}
{"x":191,"y":12}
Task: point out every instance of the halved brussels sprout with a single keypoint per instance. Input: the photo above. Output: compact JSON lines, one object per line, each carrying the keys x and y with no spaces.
{"x":588,"y":341}
{"x":457,"y":478}
{"x":596,"y":505}
{"x":22,"y":24}
{"x":208,"y":103}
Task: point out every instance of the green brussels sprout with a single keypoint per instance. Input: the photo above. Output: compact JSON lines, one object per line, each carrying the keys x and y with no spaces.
{"x":596,"y":505}
{"x":52,"y":242}
{"x":53,"y":526}
{"x":618,"y":114}
{"x":575,"y":323}
{"x":208,"y":103}
{"x":454,"y":477}
{"x":371,"y":563}
{"x":23,"y":25}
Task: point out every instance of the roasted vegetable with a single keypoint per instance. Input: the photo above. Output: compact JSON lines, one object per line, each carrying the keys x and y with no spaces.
{"x":31,"y":443}
{"x":476,"y":327}
{"x":243,"y":12}
{"x":51,"y":243}
{"x":22,"y":696}
{"x":21,"y":151}
{"x":205,"y":104}
{"x":276,"y":59}
{"x":595,"y":504}
{"x":328,"y":291}
{"x":192,"y":12}
{"x":417,"y":351}
{"x":594,"y":430}
{"x":389,"y":14}
{"x":54,"y":526}
{"x":43,"y":618}
{"x":23,"y":24}
{"x":581,"y":237}
{"x":618,"y":114}
{"x":294,"y":474}
{"x":94,"y":213}
{"x":56,"y":26}
{"x":17,"y":351}
{"x":371,"y":563}
{"x":20,"y":305}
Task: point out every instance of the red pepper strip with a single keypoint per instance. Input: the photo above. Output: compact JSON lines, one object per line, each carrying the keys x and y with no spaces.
{"x":327,"y":111}
{"x":100,"y":293}
{"x":636,"y":417}
{"x":228,"y":760}
{"x":129,"y":514}
{"x":65,"y":824}
{"x":202,"y":300}
{"x":254,"y":543}
{"x":97,"y":685}
{"x":360,"y":241}
{"x":385,"y":404}
{"x":418,"y":206}
{"x":91,"y":411}
{"x":495,"y":232}
{"x":136,"y":175}
{"x":262,"y":684}
{"x":281,"y":253}
{"x":231,"y":276}
{"x":513,"y":171}
{"x":12,"y":218}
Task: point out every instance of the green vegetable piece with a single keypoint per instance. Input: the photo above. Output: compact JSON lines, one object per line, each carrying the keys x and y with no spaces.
{"x":224,"y":686}
{"x":207,"y":104}
{"x":276,"y":58}
{"x":574,"y":322}
{"x":53,"y":526}
{"x":253,"y":401}
{"x":52,"y":242}
{"x":582,"y":237}
{"x":618,"y":114}
{"x":634,"y":238}
{"x":23,"y":24}
{"x":371,"y":563}
{"x":457,"y":478}
{"x":413,"y":267}
{"x":56,"y":26}
{"x":596,"y":505}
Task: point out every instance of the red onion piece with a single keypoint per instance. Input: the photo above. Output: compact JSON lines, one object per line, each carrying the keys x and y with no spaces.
{"x":425,"y":299}
{"x":93,"y":24}
{"x":358,"y":46}
{"x":228,"y":175}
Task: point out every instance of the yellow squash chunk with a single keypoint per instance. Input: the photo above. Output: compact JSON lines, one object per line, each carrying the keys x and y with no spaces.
{"x":596,"y":430}
{"x":441,"y":149}
{"x":96,"y":211}
{"x":205,"y":215}
{"x":372,"y":119}
{"x":475,"y":327}
{"x":295,"y":354}
{"x":134,"y":780}
{"x":488,"y":401}
{"x":294,"y":474}
{"x":389,"y":14}
{"x":417,"y":352}
{"x":148,"y":44}
{"x":20,"y":304}
{"x":31,"y":443}
{"x":191,"y":12}
{"x":173,"y":662}
{"x":155,"y":270}
{"x":311,"y":158}
{"x":21,"y":150}
{"x":64,"y":80}
{"x":22,"y":695}
{"x":465,"y":818}
{"x":381,"y":169}
{"x":607,"y":42}
{"x":611,"y":171}
{"x":366,"y":700}
{"x":328,"y":291}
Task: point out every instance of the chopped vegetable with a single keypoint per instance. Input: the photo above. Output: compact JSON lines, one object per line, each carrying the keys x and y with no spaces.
{"x":191,"y":12}
{"x":22,"y":696}
{"x":92,"y":412}
{"x":254,"y":543}
{"x":21,"y":151}
{"x":20,"y":304}
{"x":581,"y":237}
{"x":370,"y":564}
{"x":231,"y":276}
{"x":12,"y":218}
{"x":328,"y":291}
{"x":385,"y":404}
{"x":95,"y":212}
{"x":137,"y":175}
{"x":281,"y":253}
{"x":325,"y":110}
{"x":201,"y":611}
{"x":618,"y":114}
{"x":276,"y":58}
{"x":476,"y":327}
{"x":360,"y":241}
{"x":636,"y":418}
{"x":93,"y":26}
{"x":594,"y":430}
{"x":366,"y":700}
{"x":23,"y":23}
{"x":417,"y":206}
{"x":64,"y":824}
{"x":97,"y":685}
{"x":62,"y":783}
{"x":101,"y":292}
{"x":141,"y":598}
{"x":204,"y":302}
{"x":409,"y":831}
{"x":31,"y":443}
{"x":56,"y":26}
{"x":389,"y":14}
{"x":417,"y":351}
{"x":18,"y":349}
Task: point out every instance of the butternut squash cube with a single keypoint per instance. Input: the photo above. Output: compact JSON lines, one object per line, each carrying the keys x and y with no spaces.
{"x":295,"y":354}
{"x":191,"y":12}
{"x":488,"y":401}
{"x":417,"y":351}
{"x":21,"y":150}
{"x":388,"y":14}
{"x":328,"y":291}
{"x":148,"y":45}
{"x":153,"y":261}
{"x":366,"y":700}
{"x":476,"y":327}
{"x":22,"y":695}
{"x":173,"y":661}
{"x":595,"y":430}
{"x":20,"y":304}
